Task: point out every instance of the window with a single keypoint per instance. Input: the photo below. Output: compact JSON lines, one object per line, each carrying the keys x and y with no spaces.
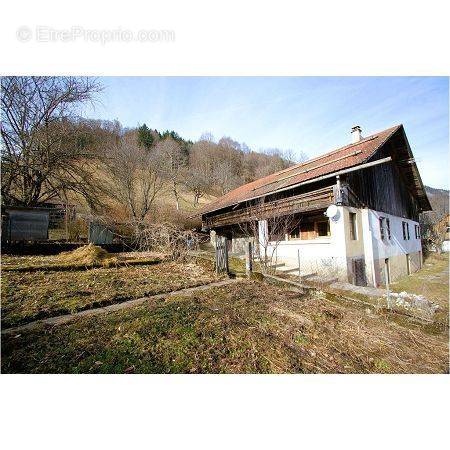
{"x":388,"y":228}
{"x":353,"y":227}
{"x":381,"y":228}
{"x":405,"y":228}
{"x":323,"y":228}
{"x":307,"y":231}
{"x":295,"y":233}
{"x":417,"y":231}
{"x":311,"y":230}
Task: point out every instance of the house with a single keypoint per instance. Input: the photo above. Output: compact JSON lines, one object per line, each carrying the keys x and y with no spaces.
{"x":352,"y":213}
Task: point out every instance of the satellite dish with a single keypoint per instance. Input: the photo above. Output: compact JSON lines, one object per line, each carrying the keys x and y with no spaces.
{"x":332,"y":212}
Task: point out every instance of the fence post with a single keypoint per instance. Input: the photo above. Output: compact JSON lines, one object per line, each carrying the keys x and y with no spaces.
{"x":387,"y":276}
{"x":221,"y":254}
{"x":299,"y":270}
{"x":249,"y":259}
{"x":218,"y":264}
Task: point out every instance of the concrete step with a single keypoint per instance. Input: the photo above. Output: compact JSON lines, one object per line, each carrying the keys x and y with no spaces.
{"x":321,"y":280}
{"x":289,"y":269}
{"x":276,"y":266}
{"x":309,"y":275}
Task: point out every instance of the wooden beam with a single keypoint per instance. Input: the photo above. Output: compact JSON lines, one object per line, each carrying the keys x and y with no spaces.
{"x":314,"y":180}
{"x":310,"y":201}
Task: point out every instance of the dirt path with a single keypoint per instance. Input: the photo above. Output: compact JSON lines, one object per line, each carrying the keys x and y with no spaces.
{"x":59,"y":320}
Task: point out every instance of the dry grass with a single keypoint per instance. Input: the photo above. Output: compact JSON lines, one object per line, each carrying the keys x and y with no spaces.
{"x":88,"y":255}
{"x":248,"y":327}
{"x":32,"y":295}
{"x":82,"y":258}
{"x":432,"y":281}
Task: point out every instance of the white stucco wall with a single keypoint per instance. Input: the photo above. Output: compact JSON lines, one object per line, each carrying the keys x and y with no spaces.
{"x":395,"y":249}
{"x":325,"y":255}
{"x":396,"y":245}
{"x":333,"y":255}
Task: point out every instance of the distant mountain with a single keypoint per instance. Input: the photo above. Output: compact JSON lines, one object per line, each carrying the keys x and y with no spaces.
{"x":439,"y":199}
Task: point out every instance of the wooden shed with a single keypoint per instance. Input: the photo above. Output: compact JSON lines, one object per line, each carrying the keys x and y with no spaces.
{"x":25,"y":224}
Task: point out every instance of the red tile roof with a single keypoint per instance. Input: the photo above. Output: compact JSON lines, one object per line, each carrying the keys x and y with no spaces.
{"x":342,"y":158}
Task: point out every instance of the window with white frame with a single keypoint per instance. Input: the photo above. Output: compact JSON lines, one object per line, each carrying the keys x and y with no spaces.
{"x":382,"y":234}
{"x":388,"y":228}
{"x":385,"y":228}
{"x":353,"y":227}
{"x":405,"y":229}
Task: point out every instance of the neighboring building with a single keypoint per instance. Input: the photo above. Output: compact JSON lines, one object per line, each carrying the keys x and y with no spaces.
{"x":24,"y":224}
{"x":371,"y":233}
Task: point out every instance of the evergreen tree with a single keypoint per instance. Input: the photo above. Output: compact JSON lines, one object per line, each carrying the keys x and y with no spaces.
{"x":145,"y":136}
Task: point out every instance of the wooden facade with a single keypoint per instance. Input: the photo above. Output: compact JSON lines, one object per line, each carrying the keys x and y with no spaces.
{"x":382,"y":188}
{"x":302,"y":203}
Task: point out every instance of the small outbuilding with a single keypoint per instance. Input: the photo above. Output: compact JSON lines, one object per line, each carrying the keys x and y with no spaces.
{"x":24,"y":223}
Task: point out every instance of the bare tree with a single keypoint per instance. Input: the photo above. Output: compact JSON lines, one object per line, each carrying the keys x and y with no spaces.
{"x":434,"y":230}
{"x":136,"y":176}
{"x":173,"y":160}
{"x":267,"y":233}
{"x":168,"y":239}
{"x":197,"y":181}
{"x":42,"y":153}
{"x":198,"y":176}
{"x":224,"y":176}
{"x":207,"y":137}
{"x":230,"y":144}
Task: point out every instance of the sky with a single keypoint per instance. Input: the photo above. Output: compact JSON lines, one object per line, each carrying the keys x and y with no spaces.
{"x":313,"y":115}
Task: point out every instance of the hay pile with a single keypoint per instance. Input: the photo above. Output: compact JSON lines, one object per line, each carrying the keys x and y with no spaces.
{"x":89,"y":255}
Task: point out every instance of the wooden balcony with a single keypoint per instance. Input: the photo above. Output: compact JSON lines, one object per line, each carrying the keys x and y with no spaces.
{"x":310,"y":201}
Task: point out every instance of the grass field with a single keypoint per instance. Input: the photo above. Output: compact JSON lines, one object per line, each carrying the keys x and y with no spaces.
{"x":28,"y":296}
{"x":246,"y":327}
{"x":432,"y":281}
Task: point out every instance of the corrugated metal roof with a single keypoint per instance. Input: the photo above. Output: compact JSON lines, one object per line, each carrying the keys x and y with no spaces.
{"x":341,"y":158}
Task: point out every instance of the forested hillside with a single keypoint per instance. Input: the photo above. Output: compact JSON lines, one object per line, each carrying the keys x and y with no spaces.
{"x":439,"y":199}
{"x":51,"y":154}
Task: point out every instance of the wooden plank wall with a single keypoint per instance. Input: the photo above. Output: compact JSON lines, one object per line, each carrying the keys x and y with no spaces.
{"x":382,"y":188}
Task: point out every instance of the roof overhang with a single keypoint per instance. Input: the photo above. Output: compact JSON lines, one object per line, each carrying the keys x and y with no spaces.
{"x":355,"y":159}
{"x":404,"y":159}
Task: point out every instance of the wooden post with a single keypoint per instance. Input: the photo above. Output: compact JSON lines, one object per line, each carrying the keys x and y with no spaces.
{"x":221,"y":255}
{"x":299,"y":271}
{"x":387,"y":276}
{"x":249,"y":258}
{"x":218,"y":262}
{"x":225,"y":254}
{"x":276,"y":258}
{"x":338,"y":190}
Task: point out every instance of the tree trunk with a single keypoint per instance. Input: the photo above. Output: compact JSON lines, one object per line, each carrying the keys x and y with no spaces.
{"x":175,"y":193}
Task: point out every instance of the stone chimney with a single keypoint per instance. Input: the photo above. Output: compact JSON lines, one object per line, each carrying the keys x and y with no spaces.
{"x":356,"y":134}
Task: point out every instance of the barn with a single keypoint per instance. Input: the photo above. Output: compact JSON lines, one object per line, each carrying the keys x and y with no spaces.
{"x":352,"y":213}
